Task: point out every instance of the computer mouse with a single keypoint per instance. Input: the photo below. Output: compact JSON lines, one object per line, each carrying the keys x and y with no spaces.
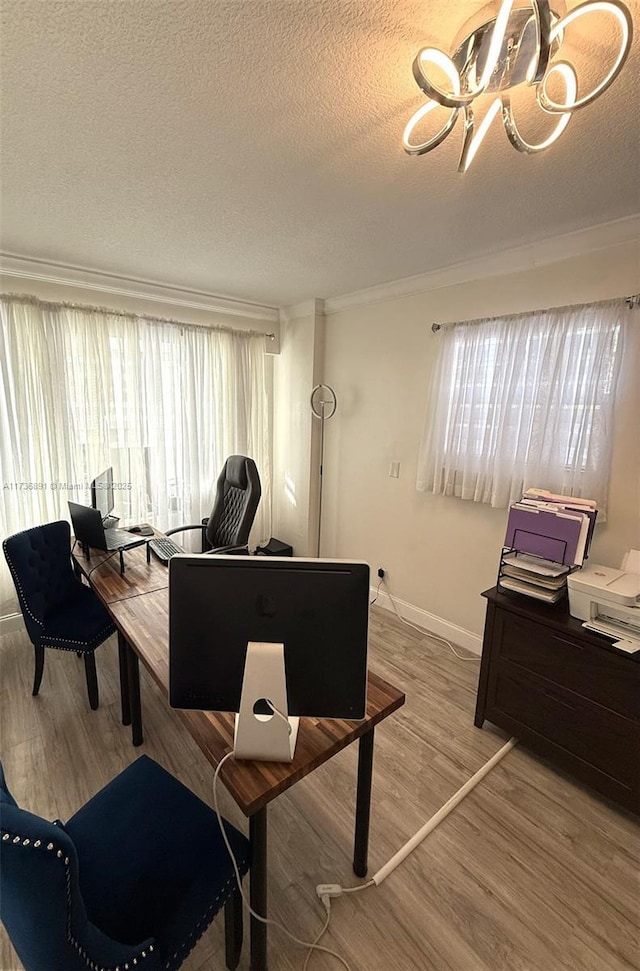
{"x":135,"y":529}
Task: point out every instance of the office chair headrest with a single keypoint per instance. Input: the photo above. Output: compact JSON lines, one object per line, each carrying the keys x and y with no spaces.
{"x":236,"y":471}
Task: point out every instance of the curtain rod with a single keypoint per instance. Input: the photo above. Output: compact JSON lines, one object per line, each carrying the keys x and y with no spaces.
{"x":66,"y":304}
{"x":632,"y":301}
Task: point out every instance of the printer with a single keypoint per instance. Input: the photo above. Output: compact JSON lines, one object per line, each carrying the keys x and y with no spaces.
{"x":608,"y":601}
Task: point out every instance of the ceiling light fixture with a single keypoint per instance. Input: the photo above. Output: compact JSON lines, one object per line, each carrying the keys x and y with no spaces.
{"x":514,"y":47}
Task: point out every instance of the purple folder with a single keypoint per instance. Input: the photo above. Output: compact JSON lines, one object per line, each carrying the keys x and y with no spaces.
{"x":551,"y":535}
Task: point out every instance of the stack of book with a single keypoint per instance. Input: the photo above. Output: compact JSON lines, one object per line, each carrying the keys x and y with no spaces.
{"x":547,"y":536}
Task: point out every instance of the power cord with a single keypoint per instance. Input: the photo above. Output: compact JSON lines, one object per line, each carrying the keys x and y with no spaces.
{"x":312,"y":945}
{"x":327,"y":906}
{"x":101,"y":563}
{"x":421,"y":630}
{"x":280,"y":714}
{"x":371,"y":602}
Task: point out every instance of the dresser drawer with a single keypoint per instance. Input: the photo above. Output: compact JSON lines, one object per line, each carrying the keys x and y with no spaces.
{"x":598,"y":736}
{"x":598,"y":674}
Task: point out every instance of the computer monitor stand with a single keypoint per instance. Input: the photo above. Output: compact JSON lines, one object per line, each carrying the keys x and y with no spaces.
{"x":264,"y":737}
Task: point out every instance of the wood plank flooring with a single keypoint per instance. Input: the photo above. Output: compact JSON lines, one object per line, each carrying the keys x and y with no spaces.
{"x":532,"y":872}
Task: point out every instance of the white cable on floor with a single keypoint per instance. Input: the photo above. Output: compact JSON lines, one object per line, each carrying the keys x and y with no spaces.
{"x":435,"y":820}
{"x":312,"y":945}
{"x":422,"y":630}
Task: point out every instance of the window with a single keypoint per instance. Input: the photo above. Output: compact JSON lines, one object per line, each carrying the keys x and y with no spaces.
{"x":524,"y":401}
{"x":82,"y":389}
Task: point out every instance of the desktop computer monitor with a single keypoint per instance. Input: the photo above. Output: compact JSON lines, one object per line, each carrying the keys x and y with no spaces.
{"x":318,"y":610}
{"x":102,"y":492}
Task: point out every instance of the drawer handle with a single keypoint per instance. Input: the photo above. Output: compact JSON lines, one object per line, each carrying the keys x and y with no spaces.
{"x":558,"y":700}
{"x":573,"y":644}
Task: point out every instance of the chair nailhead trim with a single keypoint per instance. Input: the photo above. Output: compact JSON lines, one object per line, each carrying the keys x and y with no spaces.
{"x":200,"y":927}
{"x":70,"y":938}
{"x":21,"y":595}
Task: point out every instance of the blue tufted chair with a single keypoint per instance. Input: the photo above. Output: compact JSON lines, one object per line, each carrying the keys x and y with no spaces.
{"x":58,"y":609}
{"x":129,"y":883}
{"x":238,"y":492}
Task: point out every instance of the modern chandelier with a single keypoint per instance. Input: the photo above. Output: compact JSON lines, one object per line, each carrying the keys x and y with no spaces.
{"x":518,"y":46}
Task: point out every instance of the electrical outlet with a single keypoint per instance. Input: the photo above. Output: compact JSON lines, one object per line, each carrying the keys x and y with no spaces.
{"x":381,"y":572}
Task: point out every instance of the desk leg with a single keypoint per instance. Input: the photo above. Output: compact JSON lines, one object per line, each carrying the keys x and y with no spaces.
{"x":134,"y":696}
{"x":363,"y":804}
{"x":258,"y":894}
{"x":124,"y":680}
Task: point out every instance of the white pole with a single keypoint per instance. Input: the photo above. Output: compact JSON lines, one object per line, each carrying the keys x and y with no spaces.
{"x":320,"y":413}
{"x":431,"y":824}
{"x":321,"y":481}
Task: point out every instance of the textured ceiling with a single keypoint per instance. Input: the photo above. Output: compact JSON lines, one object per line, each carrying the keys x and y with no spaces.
{"x":252,"y":148}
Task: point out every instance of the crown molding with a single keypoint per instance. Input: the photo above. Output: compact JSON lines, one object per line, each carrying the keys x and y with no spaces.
{"x":514,"y":260}
{"x":86,"y":279}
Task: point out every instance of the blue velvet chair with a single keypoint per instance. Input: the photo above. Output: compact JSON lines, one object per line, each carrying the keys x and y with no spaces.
{"x":129,"y":883}
{"x":59,"y":610}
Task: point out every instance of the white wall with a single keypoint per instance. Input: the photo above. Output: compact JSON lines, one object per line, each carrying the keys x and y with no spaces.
{"x":297,"y":369}
{"x":440,"y":553}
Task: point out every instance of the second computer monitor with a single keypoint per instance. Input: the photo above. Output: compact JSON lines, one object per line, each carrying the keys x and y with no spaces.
{"x":318,"y":609}
{"x":102,"y":492}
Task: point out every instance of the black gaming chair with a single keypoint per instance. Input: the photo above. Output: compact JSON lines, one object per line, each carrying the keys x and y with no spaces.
{"x":238,"y":493}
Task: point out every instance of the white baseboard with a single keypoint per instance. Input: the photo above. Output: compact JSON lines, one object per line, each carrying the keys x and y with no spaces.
{"x":11,"y":623}
{"x":430,"y":622}
{"x":415,"y":615}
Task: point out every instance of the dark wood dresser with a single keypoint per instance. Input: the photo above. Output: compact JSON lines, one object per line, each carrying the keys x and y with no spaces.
{"x":563,"y":691}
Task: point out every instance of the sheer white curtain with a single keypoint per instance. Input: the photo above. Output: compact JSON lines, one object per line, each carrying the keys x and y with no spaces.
{"x":524,"y":401}
{"x":83,"y":389}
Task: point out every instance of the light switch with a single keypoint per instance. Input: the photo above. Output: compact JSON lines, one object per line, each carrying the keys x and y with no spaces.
{"x":394,"y":470}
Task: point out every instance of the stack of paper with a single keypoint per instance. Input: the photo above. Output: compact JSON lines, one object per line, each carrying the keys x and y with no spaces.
{"x":547,"y":535}
{"x":537,"y":577}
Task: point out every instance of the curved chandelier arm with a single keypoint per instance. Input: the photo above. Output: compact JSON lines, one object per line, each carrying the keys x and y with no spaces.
{"x":568,"y":75}
{"x":472,"y":138}
{"x":621,"y":13}
{"x":435,"y":140}
{"x":448,"y":99}
{"x":449,"y":68}
{"x":540,"y":63}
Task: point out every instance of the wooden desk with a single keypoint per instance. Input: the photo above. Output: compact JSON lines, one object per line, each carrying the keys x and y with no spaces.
{"x":102,"y":570}
{"x":143,"y":622}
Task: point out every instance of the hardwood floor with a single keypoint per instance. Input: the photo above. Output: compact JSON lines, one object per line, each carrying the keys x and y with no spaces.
{"x":532,"y":872}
